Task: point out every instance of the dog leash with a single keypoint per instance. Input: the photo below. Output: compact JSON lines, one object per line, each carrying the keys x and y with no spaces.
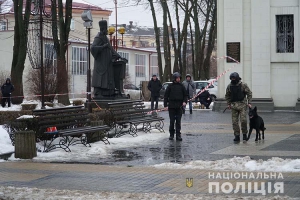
{"x":225,"y":109}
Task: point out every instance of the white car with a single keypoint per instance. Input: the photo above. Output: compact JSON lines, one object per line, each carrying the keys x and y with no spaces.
{"x":132,"y":92}
{"x":213,"y":89}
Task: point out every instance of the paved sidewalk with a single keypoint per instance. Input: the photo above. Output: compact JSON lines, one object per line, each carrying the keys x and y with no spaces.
{"x":206,"y":136}
{"x":122,"y":179}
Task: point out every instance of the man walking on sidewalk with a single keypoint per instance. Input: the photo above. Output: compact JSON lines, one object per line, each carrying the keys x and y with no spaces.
{"x":190,"y":89}
{"x":154,"y":86}
{"x":175,"y":97}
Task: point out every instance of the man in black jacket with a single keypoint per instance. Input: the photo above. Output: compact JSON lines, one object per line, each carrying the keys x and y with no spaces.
{"x":204,"y":98}
{"x":175,"y":97}
{"x":6,"y":89}
{"x":154,"y":86}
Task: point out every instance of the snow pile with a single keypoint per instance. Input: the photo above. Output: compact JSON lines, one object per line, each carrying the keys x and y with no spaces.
{"x":82,"y":153}
{"x":5,"y":143}
{"x":240,"y":164}
{"x":41,"y":194}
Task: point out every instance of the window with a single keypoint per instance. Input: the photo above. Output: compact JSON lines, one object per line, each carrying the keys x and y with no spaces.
{"x":72,"y":25}
{"x":3,"y":25}
{"x":140,"y":65}
{"x":125,"y":55}
{"x":79,"y":61}
{"x":285,"y":33}
{"x":50,"y":59}
{"x":154,"y":66}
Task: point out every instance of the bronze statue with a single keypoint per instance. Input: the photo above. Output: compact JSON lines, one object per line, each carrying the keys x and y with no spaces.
{"x":106,"y":77}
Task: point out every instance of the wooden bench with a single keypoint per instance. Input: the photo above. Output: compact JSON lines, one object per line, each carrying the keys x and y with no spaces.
{"x":72,"y":124}
{"x":127,"y":116}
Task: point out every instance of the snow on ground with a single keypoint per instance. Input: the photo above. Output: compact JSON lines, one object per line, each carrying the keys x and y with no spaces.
{"x":47,"y":194}
{"x":239,"y":164}
{"x":82,"y":153}
{"x":100,"y":150}
{"x":5,"y":144}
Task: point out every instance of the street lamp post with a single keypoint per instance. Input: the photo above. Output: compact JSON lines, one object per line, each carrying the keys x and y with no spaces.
{"x":88,"y":23}
{"x":122,"y":31}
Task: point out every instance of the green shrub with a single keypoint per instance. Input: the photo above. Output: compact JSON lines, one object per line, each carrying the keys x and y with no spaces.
{"x":6,"y":116}
{"x":28,"y":106}
{"x":77,"y":102}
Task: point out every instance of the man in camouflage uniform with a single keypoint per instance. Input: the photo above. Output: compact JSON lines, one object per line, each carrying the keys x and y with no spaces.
{"x":238,"y":97}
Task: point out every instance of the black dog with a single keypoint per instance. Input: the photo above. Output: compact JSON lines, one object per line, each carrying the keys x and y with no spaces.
{"x":257,"y":123}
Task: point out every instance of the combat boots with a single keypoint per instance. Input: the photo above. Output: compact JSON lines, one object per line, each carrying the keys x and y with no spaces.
{"x":178,"y":137}
{"x":236,"y":138}
{"x":191,"y":111}
{"x":171,"y":136}
{"x":245,"y":137}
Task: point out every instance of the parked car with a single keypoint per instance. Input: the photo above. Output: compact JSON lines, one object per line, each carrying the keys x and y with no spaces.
{"x":132,"y":92}
{"x":163,"y":89}
{"x":213,"y":89}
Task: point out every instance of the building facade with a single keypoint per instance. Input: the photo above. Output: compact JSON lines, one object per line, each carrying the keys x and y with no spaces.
{"x":264,"y":37}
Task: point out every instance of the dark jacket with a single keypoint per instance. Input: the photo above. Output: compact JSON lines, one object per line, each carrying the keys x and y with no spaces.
{"x":154,"y":87}
{"x":203,"y":96}
{"x":175,"y":95}
{"x":7,"y":88}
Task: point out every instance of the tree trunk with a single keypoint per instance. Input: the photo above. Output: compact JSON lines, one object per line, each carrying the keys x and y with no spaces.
{"x":20,"y":48}
{"x":25,"y":144}
{"x":197,"y":40}
{"x":193,"y":52}
{"x":62,"y":82}
{"x":211,"y":42}
{"x":175,"y":66}
{"x":61,"y":45}
{"x":184,"y":55}
{"x":166,"y":41}
{"x":157,"y":40}
{"x":203,"y":38}
{"x":178,"y":52}
{"x":183,"y":35}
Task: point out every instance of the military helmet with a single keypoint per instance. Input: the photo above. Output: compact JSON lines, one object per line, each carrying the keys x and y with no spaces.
{"x":176,"y":75}
{"x":234,"y":75}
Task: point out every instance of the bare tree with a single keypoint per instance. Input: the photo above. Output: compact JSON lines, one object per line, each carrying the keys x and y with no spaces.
{"x":21,"y":15}
{"x":157,"y":39}
{"x":166,"y":41}
{"x":61,"y":17}
{"x":34,"y":80}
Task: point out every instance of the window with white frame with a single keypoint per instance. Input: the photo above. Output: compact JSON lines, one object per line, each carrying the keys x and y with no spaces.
{"x":79,"y":60}
{"x":3,"y":25}
{"x":140,"y":65}
{"x":154,"y":65}
{"x":125,"y":55}
{"x":285,"y":33}
{"x":50,"y":59}
{"x":72,"y":25}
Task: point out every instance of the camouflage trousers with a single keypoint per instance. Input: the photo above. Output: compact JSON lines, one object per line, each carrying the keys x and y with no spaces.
{"x":239,"y":113}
